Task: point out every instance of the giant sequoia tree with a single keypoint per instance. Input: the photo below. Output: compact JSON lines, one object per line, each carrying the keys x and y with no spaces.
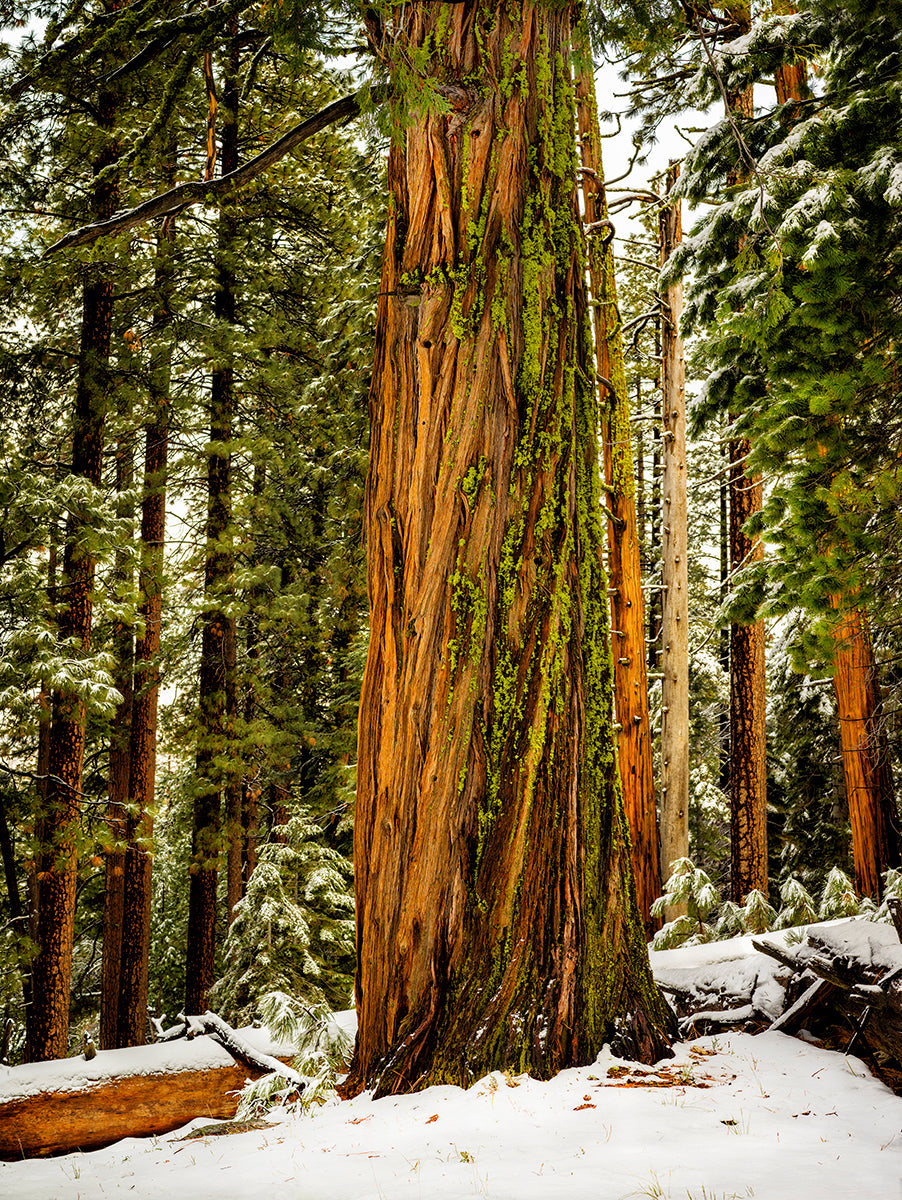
{"x":496,"y":913}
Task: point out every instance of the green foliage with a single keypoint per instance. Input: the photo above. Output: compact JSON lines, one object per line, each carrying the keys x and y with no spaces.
{"x":293,"y":932}
{"x":690,"y":886}
{"x":323,"y":1049}
{"x":793,"y":285}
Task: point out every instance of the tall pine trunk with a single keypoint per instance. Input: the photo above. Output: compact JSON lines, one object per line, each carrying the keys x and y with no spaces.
{"x":48,"y":1026}
{"x":497,"y":924}
{"x":218,"y":638}
{"x":674,"y":561}
{"x":634,"y":741}
{"x":133,"y":983}
{"x":748,"y":739}
{"x":876,"y":844}
{"x":120,"y":737}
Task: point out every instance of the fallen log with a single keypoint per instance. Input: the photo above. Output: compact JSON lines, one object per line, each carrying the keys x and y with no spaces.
{"x":859,"y":967}
{"x":79,"y":1104}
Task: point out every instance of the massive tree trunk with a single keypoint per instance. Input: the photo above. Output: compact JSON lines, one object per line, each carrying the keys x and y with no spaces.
{"x":876,"y":843}
{"x":496,"y":913}
{"x":48,"y":1023}
{"x":674,"y":562}
{"x":634,"y":742}
{"x":218,"y":639}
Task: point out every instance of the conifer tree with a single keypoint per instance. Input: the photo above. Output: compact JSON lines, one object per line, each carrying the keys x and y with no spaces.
{"x":675,"y":559}
{"x":486,"y":759}
{"x":634,"y":740}
{"x":57,"y":856}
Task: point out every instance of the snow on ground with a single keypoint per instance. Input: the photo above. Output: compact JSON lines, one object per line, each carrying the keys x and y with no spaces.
{"x":733,"y":1116}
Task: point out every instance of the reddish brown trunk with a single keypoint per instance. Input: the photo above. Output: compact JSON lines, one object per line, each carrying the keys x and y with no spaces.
{"x":497,"y":921}
{"x":748,"y":747}
{"x":48,"y":1027}
{"x":876,"y":843}
{"x":218,"y":644}
{"x":634,"y":749}
{"x":117,"y":785}
{"x":748,"y":765}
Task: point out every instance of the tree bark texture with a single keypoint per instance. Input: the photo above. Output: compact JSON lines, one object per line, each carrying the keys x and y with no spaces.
{"x":748,"y":766}
{"x":48,"y":1027}
{"x":117,"y":784}
{"x":634,"y":740}
{"x":674,"y":562}
{"x":748,"y":747}
{"x":497,"y":924}
{"x":876,"y":844}
{"x":218,"y":639}
{"x":133,"y":984}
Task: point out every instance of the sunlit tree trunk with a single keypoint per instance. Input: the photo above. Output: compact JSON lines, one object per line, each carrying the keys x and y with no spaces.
{"x":674,"y":561}
{"x":634,"y":742}
{"x":496,"y":912}
{"x":876,"y":842}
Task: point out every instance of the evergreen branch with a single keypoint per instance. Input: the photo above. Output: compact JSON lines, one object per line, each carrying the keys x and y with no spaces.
{"x":143,"y":56}
{"x":65,"y":53}
{"x":187,"y":194}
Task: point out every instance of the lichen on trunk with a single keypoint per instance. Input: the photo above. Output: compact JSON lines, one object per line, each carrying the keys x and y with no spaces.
{"x":497,"y":920}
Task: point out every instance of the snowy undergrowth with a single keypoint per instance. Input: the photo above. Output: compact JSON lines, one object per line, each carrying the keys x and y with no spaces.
{"x":708,"y":918}
{"x":322,"y":1045}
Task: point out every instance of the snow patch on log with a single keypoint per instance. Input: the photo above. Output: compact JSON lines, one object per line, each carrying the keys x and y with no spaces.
{"x":78,"y":1074}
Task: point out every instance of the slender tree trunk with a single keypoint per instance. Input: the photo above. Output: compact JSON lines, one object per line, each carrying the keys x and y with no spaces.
{"x":748,"y":765}
{"x":723,"y":722}
{"x":133,"y":985}
{"x":218,"y":645}
{"x":634,"y":742}
{"x":674,"y":562}
{"x":18,"y":910}
{"x":47,"y":1034}
{"x":496,"y":913}
{"x":117,"y":786}
{"x":876,"y":842}
{"x":655,"y":603}
{"x":748,"y":746}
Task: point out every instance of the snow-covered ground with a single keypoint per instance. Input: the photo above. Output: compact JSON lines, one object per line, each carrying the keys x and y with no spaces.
{"x":732,"y":1116}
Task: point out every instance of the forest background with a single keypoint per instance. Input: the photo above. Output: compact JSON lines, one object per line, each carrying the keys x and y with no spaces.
{"x":198,"y":384}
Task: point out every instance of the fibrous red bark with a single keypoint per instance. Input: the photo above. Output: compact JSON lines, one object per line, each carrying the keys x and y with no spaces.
{"x":496,"y":912}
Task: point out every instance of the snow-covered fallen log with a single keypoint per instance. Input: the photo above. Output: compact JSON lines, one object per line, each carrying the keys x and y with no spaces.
{"x":76,"y":1103}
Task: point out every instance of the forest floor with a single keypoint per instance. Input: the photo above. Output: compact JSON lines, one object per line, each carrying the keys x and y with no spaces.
{"x":765,"y":1116}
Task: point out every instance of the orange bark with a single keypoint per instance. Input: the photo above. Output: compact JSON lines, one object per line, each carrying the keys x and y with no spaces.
{"x":869,"y":789}
{"x":634,"y":742}
{"x":496,"y":917}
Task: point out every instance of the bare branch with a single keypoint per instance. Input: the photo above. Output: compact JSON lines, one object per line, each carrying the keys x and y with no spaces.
{"x":187,"y":194}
